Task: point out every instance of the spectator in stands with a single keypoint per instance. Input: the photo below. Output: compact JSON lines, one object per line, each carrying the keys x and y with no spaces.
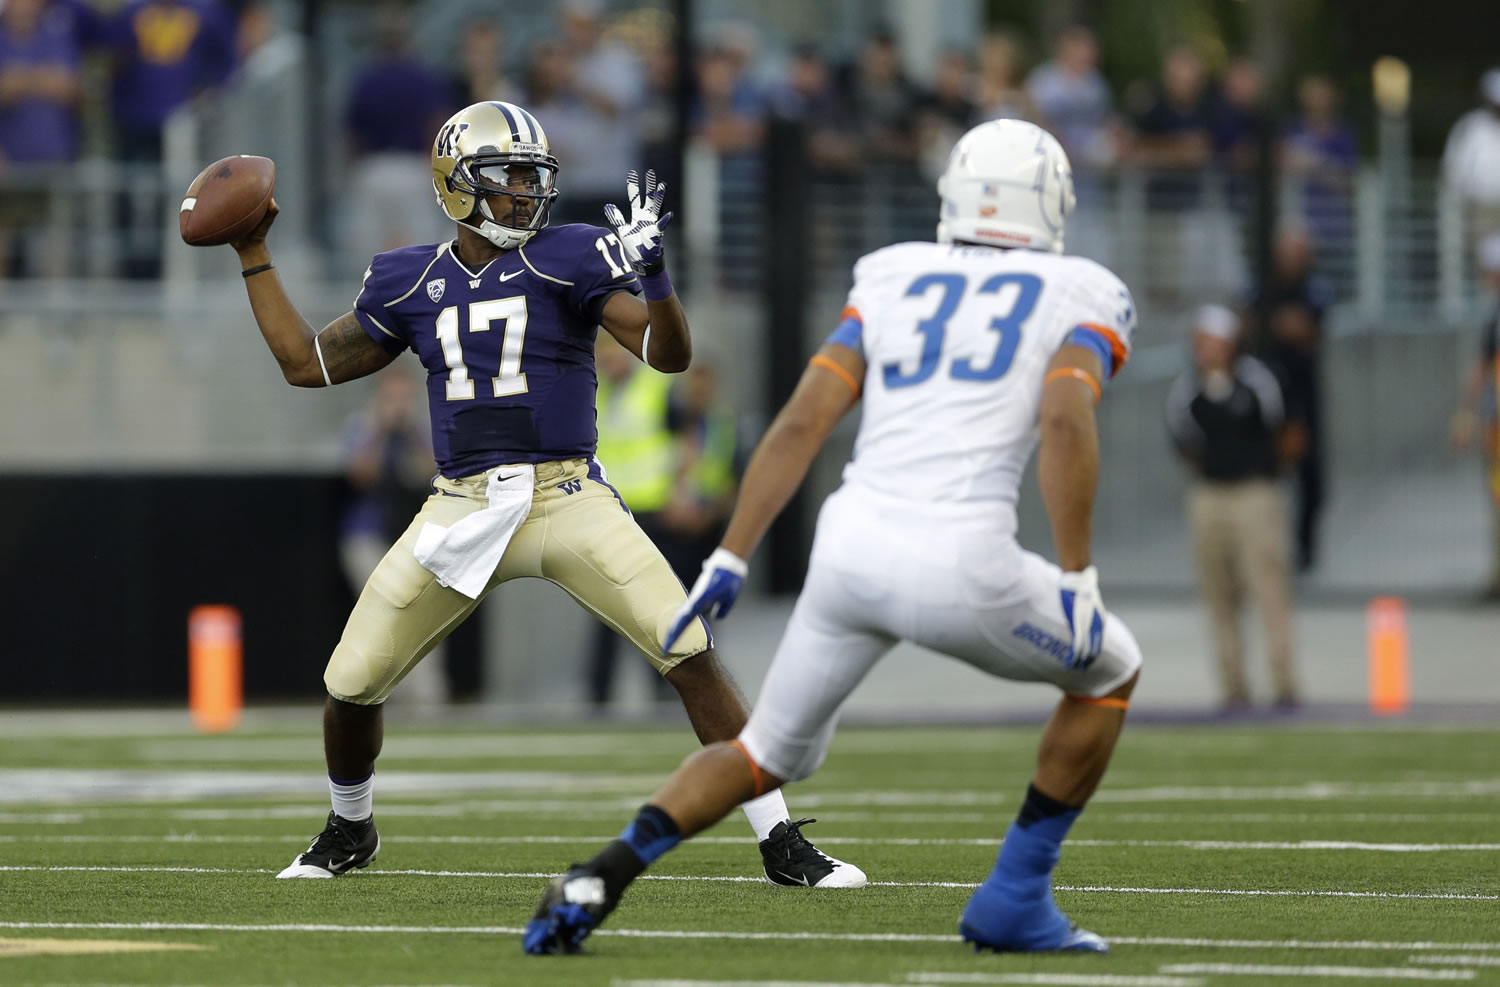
{"x":1471,"y":160}
{"x":886,"y":102}
{"x":1476,"y":417}
{"x":947,"y":112}
{"x":1293,"y":302}
{"x":387,"y":455}
{"x":1239,"y":121}
{"x":603,"y":89}
{"x":395,"y":106}
{"x":1073,"y":101}
{"x":1227,"y":418}
{"x":1187,"y":242}
{"x":481,"y":74}
{"x":730,"y":116}
{"x":812,"y":95}
{"x":1320,"y":148}
{"x":1000,"y":94}
{"x":886,"y":105}
{"x":166,"y":52}
{"x":39,"y":92}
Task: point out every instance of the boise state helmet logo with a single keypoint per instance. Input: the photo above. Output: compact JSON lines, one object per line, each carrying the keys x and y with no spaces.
{"x":436,"y":287}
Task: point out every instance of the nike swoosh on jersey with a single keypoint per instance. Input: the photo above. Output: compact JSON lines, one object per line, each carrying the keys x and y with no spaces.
{"x":513,"y":274}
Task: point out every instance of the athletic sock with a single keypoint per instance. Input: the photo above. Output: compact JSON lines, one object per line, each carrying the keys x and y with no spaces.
{"x":1033,"y":843}
{"x":766,"y":813}
{"x":651,"y":834}
{"x":353,"y":800}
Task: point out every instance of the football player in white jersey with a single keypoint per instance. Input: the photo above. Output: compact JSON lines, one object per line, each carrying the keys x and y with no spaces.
{"x":968,"y":352}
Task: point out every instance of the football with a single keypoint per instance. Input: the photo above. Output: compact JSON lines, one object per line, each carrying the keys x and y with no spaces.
{"x":227,"y":200}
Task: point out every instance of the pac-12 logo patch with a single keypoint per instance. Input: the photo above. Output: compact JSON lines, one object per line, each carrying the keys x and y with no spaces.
{"x":436,"y":287}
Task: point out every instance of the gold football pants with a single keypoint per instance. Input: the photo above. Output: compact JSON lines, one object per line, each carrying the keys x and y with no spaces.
{"x":578,"y":535}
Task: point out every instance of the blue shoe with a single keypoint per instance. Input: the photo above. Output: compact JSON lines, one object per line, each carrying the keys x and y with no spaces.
{"x":996,"y":919}
{"x":572,"y":907}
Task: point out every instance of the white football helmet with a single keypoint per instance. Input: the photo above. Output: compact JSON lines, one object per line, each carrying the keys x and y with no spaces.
{"x":1008,"y":183}
{"x":495,"y":149}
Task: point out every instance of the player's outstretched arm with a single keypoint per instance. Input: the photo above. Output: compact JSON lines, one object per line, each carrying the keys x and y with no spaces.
{"x":1068,"y":465}
{"x":656,"y":331}
{"x":828,"y":389}
{"x":342,"y":351}
{"x":1068,"y":461}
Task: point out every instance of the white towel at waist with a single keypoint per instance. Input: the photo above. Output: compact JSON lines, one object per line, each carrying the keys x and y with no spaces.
{"x":466,"y":555}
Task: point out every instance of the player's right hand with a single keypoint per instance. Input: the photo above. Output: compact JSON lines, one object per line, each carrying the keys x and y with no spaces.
{"x":713,"y":594}
{"x":257,"y":236}
{"x":1083,"y":609}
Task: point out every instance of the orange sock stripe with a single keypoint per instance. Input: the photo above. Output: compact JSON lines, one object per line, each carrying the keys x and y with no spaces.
{"x":1078,"y":374}
{"x":759,"y":775}
{"x":822,"y":361}
{"x":1108,"y":701}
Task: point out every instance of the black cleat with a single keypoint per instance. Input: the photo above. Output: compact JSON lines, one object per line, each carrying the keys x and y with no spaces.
{"x":342,"y":846}
{"x":572,"y":906}
{"x":792,"y":861}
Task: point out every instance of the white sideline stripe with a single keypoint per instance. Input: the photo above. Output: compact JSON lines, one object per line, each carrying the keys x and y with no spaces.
{"x":1456,"y":960}
{"x":1059,"y":979}
{"x":512,"y":875}
{"x":697,"y":934}
{"x":1354,"y":972}
{"x":42,"y":785}
{"x":58,"y":785}
{"x":746,"y":840}
{"x":747,"y":983}
{"x":1062,"y":979}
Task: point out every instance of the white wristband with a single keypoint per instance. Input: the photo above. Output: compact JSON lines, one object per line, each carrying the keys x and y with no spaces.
{"x":723,"y":558}
{"x":645,"y":342}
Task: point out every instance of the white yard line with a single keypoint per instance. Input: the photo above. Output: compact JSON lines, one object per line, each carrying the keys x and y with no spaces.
{"x":1055,"y":979}
{"x":1456,"y":960}
{"x":1350,"y":972}
{"x":528,"y":875}
{"x":1060,"y":979}
{"x":740,"y":935}
{"x":748,"y":983}
{"x":1319,"y":845}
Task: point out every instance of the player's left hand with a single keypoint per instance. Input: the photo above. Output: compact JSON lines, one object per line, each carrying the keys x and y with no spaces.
{"x":1083,"y":608}
{"x":713,"y":594}
{"x":641,"y":237}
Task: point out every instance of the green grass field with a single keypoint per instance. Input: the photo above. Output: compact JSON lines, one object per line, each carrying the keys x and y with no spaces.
{"x":1211,"y":856}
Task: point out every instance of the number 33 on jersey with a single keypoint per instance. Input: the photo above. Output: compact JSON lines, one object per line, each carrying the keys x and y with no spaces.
{"x":509,"y":348}
{"x":963,"y":335}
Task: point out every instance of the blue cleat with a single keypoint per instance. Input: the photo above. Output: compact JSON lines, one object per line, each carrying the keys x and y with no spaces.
{"x":996,"y":919}
{"x":572,"y":907}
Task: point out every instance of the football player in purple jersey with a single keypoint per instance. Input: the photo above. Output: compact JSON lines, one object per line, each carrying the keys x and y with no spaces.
{"x":504,"y":319}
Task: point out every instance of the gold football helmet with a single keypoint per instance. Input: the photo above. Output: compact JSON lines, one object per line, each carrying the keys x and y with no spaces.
{"x":495,"y":149}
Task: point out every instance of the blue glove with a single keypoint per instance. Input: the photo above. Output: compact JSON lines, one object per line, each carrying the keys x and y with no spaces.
{"x":1083,"y":609}
{"x":713,"y":594}
{"x":640,"y":238}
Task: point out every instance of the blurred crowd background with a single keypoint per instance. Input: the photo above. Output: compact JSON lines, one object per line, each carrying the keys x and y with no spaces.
{"x":1326,"y":173}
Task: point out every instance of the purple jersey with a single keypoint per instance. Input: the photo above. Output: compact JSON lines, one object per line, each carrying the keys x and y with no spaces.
{"x":509,"y":348}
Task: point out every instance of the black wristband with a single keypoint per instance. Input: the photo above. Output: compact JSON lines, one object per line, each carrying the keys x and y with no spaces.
{"x":257,"y":269}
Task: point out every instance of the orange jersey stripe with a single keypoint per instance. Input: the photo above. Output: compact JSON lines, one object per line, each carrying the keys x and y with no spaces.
{"x":819,"y":360}
{"x":1076,"y":373}
{"x":1116,"y":347}
{"x":850,"y":312}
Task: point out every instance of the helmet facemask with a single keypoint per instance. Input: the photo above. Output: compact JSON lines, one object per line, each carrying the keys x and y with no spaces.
{"x":525,"y":176}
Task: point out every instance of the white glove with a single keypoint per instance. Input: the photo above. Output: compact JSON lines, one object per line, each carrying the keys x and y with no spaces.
{"x":713,"y":594}
{"x":1083,"y":609}
{"x":641,"y":237}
